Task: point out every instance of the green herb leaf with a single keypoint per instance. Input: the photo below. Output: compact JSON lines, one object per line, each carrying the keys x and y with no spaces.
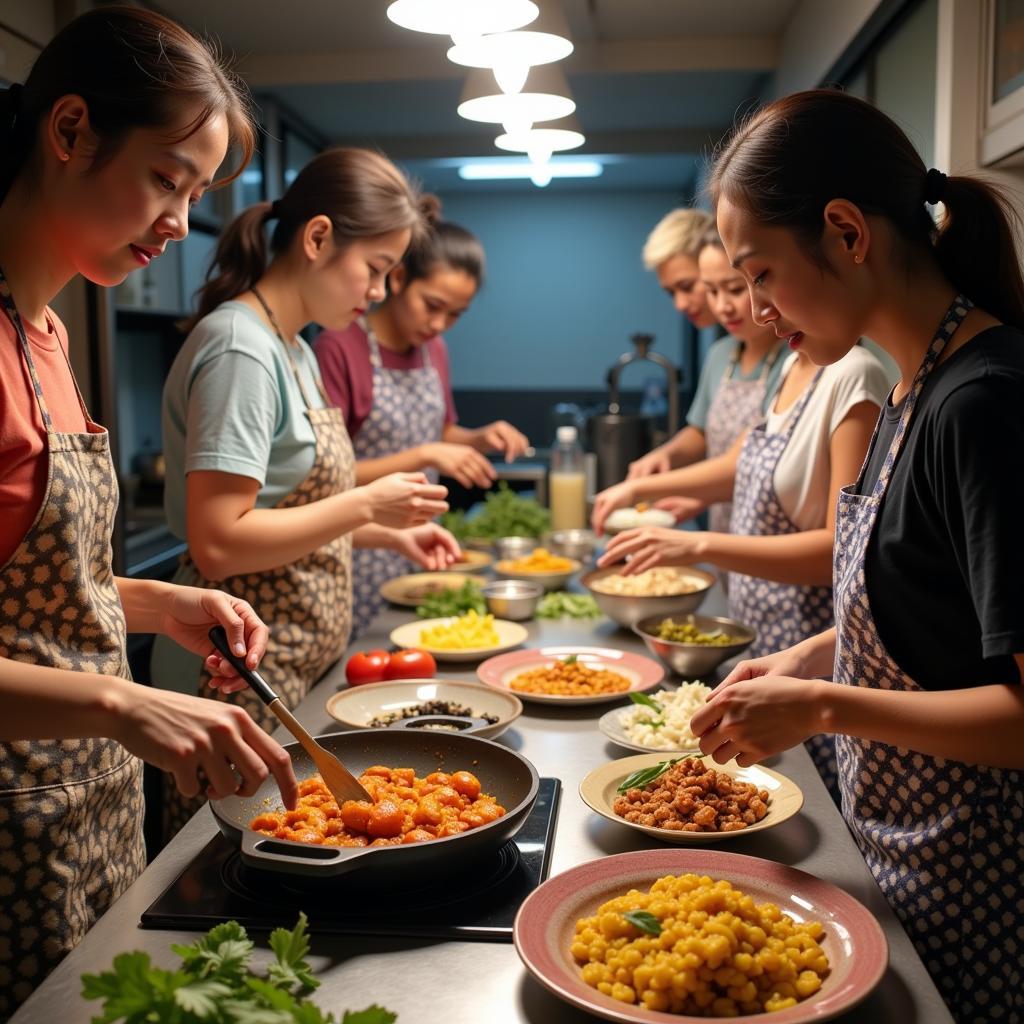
{"x":451,"y":602}
{"x":291,"y":948}
{"x":644,"y":920}
{"x":571,"y":659}
{"x":557,"y":604}
{"x":644,"y":776}
{"x":642,"y":698}
{"x":216,"y":986}
{"x":371,"y":1015}
{"x":202,"y":998}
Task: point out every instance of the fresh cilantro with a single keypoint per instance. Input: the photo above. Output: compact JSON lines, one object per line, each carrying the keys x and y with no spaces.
{"x":214,"y":984}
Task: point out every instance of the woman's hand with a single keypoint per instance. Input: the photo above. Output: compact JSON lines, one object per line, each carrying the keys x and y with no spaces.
{"x":183,"y":734}
{"x":501,"y":436}
{"x":401,"y":500}
{"x":607,"y":501}
{"x":788,"y":662}
{"x":649,"y":546}
{"x":430,"y":546}
{"x":190,"y":613}
{"x":751,"y":719}
{"x":461,"y":463}
{"x":656,"y":461}
{"x":681,"y":507}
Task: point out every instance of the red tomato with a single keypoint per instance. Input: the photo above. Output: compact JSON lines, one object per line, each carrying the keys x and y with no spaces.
{"x":367,"y":667}
{"x":410,"y":665}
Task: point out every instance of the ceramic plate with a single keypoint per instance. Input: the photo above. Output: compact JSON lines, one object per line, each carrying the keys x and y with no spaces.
{"x":599,"y":791}
{"x":546,"y":923}
{"x":409,"y":591}
{"x":357,"y":705}
{"x":471,"y":561}
{"x":643,"y":673}
{"x":629,"y":519}
{"x":610,"y":723}
{"x":510,"y":634}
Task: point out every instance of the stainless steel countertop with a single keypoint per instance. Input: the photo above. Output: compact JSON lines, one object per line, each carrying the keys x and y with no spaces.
{"x":465,"y":983}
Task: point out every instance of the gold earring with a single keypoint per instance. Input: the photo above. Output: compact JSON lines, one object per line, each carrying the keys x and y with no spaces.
{"x":65,"y":156}
{"x":858,"y":259}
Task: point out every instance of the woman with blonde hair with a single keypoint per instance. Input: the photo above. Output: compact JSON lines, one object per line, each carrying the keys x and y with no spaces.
{"x":736,"y":375}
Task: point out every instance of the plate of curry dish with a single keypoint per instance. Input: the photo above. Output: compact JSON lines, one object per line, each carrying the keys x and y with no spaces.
{"x":571,"y":675}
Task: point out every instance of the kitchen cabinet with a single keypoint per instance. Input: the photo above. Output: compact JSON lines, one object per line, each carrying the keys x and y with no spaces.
{"x":1003,"y":83}
{"x":135,"y":337}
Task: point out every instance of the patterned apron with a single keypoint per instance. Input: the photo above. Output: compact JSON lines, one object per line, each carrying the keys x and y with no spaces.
{"x":782,"y":613}
{"x":307,"y":604}
{"x":408,"y":410}
{"x":736,"y":405}
{"x":70,"y":810}
{"x":944,"y":840}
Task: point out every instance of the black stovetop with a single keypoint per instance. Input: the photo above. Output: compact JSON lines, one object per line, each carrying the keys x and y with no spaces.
{"x":478,"y":904}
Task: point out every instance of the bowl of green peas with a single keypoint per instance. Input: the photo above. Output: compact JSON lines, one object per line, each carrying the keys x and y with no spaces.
{"x":693,"y":646}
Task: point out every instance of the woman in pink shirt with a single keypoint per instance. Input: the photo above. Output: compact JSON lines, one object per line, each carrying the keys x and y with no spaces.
{"x":389,"y":374}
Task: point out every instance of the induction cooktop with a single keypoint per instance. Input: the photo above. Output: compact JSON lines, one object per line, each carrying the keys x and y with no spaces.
{"x":477,"y":904}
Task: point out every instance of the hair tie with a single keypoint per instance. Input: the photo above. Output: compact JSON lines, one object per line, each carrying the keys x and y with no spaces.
{"x":275,"y":210}
{"x":934,"y":186}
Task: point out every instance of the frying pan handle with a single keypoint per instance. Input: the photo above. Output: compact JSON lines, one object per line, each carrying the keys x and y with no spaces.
{"x":306,"y":858}
{"x":259,"y":685}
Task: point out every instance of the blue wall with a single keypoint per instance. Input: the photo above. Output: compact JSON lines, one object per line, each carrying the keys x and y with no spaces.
{"x":565,"y":288}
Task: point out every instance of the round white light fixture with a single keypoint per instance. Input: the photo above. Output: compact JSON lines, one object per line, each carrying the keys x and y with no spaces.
{"x":511,"y":54}
{"x":464,"y":19}
{"x":540,"y":143}
{"x":545,"y":97}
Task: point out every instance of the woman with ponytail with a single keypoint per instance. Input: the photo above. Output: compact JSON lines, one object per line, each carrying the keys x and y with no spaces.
{"x":260,"y":476}
{"x":119,"y":128}
{"x":826,"y":208}
{"x":389,"y":373}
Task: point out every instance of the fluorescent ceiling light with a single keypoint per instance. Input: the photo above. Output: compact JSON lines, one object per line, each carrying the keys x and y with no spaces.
{"x":462,"y":18}
{"x":498,"y":170}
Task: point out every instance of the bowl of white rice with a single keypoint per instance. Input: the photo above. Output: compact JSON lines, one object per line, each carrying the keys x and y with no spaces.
{"x":663,"y":590}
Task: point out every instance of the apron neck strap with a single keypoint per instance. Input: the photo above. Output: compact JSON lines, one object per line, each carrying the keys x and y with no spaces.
{"x":290,"y":355}
{"x":953,"y":318}
{"x":11,"y":309}
{"x":797,"y":410}
{"x":376,"y":359}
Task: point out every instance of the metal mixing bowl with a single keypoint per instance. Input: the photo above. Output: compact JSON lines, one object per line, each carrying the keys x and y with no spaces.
{"x":512,"y":599}
{"x":578,"y":544}
{"x":694,"y":661}
{"x":515,"y":547}
{"x":627,"y":610}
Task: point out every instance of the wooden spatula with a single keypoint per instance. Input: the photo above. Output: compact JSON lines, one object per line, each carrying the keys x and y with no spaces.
{"x":338,"y":779}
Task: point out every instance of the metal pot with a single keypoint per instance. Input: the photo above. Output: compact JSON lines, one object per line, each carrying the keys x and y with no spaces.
{"x":503,"y":773}
{"x":618,"y":439}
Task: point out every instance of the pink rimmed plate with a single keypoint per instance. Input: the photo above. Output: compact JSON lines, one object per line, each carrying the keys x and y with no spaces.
{"x":501,"y":672}
{"x":546,"y":924}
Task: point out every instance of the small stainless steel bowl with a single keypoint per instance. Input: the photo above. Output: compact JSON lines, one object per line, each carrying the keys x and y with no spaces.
{"x":510,"y":548}
{"x":512,"y":599}
{"x":694,"y":661}
{"x":578,"y":544}
{"x":628,"y":609}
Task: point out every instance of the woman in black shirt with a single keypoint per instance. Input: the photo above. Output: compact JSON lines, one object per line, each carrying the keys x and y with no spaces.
{"x":822,"y":202}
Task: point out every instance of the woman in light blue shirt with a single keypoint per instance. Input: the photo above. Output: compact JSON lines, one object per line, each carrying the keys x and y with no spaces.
{"x":260,"y":471}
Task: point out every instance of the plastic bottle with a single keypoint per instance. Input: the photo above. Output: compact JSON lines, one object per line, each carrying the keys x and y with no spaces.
{"x":567,"y":482}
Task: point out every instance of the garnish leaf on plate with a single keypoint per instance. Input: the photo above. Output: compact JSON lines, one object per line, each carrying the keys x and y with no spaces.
{"x":644,"y":776}
{"x":642,"y":698}
{"x":644,"y":920}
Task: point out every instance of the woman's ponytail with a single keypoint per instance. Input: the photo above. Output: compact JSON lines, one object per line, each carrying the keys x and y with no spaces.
{"x":976,"y":248}
{"x":15,"y":139}
{"x":238,"y":263}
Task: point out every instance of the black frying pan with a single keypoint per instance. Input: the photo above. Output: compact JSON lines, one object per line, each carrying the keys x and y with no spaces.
{"x":503,"y":773}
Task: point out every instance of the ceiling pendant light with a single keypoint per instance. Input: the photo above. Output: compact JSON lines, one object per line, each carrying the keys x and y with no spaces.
{"x":462,"y":19}
{"x":510,"y":55}
{"x":539,"y":143}
{"x":544,"y":97}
